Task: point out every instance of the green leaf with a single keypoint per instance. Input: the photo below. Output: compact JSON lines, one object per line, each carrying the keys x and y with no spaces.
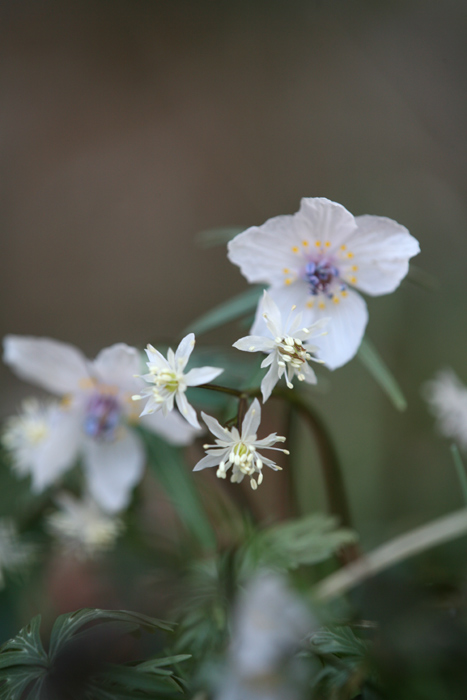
{"x":304,"y":541}
{"x":218,"y":236}
{"x":24,"y":649}
{"x":460,"y":470}
{"x":340,"y":641}
{"x":378,"y":369}
{"x":171,"y":471}
{"x":66,"y":626}
{"x":227,"y":311}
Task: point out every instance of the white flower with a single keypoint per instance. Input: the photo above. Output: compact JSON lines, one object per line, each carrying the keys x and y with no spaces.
{"x":288,"y":351}
{"x":447,"y":397}
{"x":82,"y":527}
{"x":169,"y":383}
{"x":14,"y":553}
{"x":313,"y":260}
{"x":240,"y":451}
{"x":93,"y":421}
{"x":269,"y":627}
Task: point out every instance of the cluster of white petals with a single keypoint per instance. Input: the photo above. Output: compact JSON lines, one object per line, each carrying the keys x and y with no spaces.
{"x":81,"y":527}
{"x":269,"y":628}
{"x":169,"y":382}
{"x":447,"y":398}
{"x":240,"y":450}
{"x":92,"y":421}
{"x":316,"y":259}
{"x":286,"y":345}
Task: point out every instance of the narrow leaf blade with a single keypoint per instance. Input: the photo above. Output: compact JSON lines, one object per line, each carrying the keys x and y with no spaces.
{"x":375,"y":365}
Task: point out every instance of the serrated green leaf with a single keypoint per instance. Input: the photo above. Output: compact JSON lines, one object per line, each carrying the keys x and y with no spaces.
{"x":24,"y":649}
{"x":218,"y":236}
{"x":228,"y":311}
{"x":14,"y":681}
{"x":340,"y":641}
{"x":375,"y":365}
{"x":66,"y":626}
{"x":304,"y":541}
{"x":171,"y":471}
{"x":153,"y":664}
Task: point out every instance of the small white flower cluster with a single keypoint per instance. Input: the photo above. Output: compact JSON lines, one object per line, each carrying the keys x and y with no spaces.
{"x":82,"y":528}
{"x":447,"y":397}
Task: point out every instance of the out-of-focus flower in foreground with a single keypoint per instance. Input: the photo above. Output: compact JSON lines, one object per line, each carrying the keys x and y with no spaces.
{"x":269,"y":627}
{"x":240,"y":451}
{"x":286,"y":345}
{"x":81,"y":527}
{"x":169,"y":382}
{"x":447,"y":398}
{"x":14,"y":553}
{"x":93,"y":420}
{"x":315,"y":258}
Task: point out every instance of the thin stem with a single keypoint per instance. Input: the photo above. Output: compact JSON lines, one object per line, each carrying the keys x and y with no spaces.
{"x":460,"y":469}
{"x":225,"y":390}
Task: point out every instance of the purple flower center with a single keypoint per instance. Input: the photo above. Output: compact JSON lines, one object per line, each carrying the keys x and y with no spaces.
{"x":320,"y":276}
{"x":102,"y":418}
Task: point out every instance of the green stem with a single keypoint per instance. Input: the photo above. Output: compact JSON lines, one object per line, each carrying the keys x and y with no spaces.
{"x":332,"y":472}
{"x":460,"y":469}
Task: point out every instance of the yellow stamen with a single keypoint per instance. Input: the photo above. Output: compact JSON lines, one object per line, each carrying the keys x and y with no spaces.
{"x":354,"y":268}
{"x":294,"y":249}
{"x":353,"y":280}
{"x":328,"y":244}
{"x":305,"y":244}
{"x":336,"y":300}
{"x":318,"y":244}
{"x":344,"y":293}
{"x":310,"y":304}
{"x":286,"y":270}
{"x":343,"y":247}
{"x":350,"y":255}
{"x":322,"y":305}
{"x":288,"y":281}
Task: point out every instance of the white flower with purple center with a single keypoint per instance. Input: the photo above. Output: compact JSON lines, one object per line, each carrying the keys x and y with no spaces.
{"x":315,"y":258}
{"x":169,"y":382}
{"x":240,"y":450}
{"x":287,"y":347}
{"x":93,"y":420}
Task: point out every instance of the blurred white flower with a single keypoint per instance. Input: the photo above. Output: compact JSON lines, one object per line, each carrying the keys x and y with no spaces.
{"x":169,"y":383}
{"x":240,"y":451}
{"x":82,"y":528}
{"x":286,"y":345}
{"x":269,"y":627}
{"x":93,"y":420}
{"x":313,"y":260}
{"x":447,"y":398}
{"x":14,"y":553}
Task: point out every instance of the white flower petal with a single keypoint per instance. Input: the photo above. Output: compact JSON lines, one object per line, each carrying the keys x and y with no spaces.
{"x":324,"y":221}
{"x":55,"y":366}
{"x":202,"y":375}
{"x":271,"y":315}
{"x":172,"y":428}
{"x":185,"y":349}
{"x":308,"y":373}
{"x":296,"y":294}
{"x":254,"y":343}
{"x":117,"y":366}
{"x":262,"y":252}
{"x":156,"y":358}
{"x":216,"y":429}
{"x":269,"y":381}
{"x":58,"y":451}
{"x":251,"y":420}
{"x":208,"y":461}
{"x":186,"y":409}
{"x":381,"y":248}
{"x":113,"y":469}
{"x":346,"y":329}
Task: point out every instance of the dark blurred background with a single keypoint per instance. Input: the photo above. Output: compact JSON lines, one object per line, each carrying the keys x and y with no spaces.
{"x":129,"y":126}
